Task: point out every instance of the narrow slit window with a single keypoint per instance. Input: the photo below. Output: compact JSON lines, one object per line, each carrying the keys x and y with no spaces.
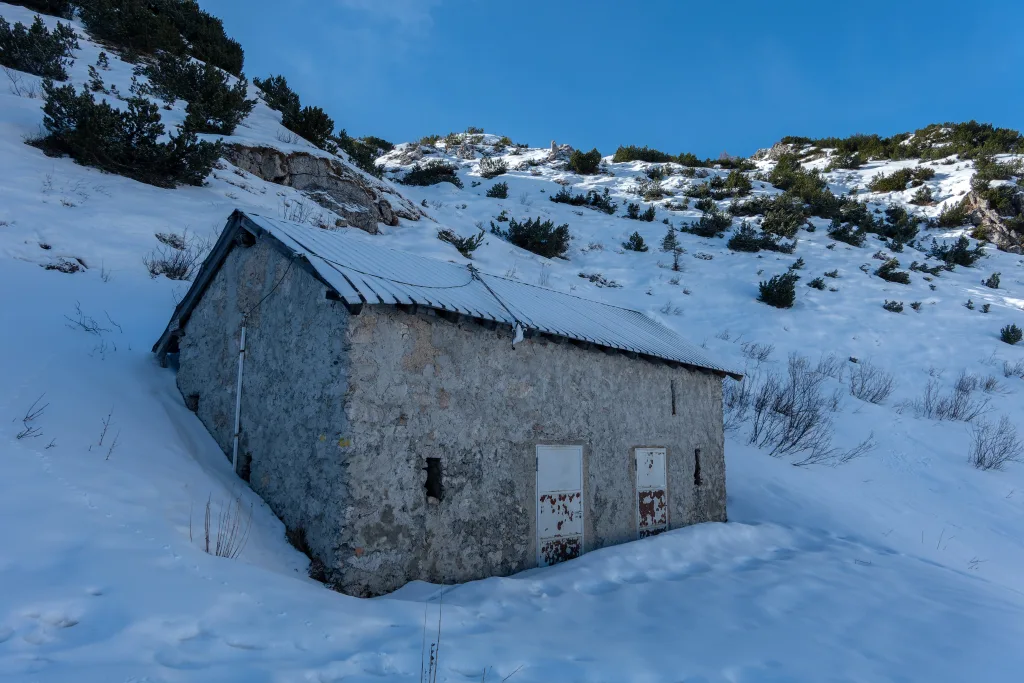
{"x":696,"y":468}
{"x":672,"y":392}
{"x":434,"y":486}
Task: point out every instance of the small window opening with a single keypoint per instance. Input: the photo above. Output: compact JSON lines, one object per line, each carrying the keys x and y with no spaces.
{"x":672,"y":389}
{"x":434,"y":486}
{"x":696,"y":467}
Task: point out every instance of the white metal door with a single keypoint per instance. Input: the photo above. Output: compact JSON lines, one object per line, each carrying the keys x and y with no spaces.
{"x":559,"y":503}
{"x":651,"y":491}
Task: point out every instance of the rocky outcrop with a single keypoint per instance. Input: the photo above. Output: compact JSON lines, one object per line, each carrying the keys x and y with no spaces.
{"x":989,"y":220}
{"x":774,"y":152}
{"x":357,"y":198}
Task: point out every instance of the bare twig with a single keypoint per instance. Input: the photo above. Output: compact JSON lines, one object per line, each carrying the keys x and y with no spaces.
{"x":113,"y":445}
{"x":85,"y":323}
{"x":34,"y":411}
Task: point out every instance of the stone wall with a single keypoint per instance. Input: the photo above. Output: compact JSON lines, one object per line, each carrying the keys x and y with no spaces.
{"x":422,"y":387}
{"x":340,"y":412}
{"x":293,"y":386}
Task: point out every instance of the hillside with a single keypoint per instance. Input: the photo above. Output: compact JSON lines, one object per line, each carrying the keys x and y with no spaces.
{"x":889,"y":558}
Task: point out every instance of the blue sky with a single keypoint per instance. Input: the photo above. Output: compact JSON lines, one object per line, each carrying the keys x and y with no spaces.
{"x":705,"y":77}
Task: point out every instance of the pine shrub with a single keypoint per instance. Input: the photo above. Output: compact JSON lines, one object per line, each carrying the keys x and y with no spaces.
{"x":150,"y":26}
{"x":954,"y":216}
{"x":738,"y":183}
{"x":1011,"y":334}
{"x":889,"y":272}
{"x":492,"y":168}
{"x":670,"y":242}
{"x":54,"y":8}
{"x":585,"y":163}
{"x":537,"y":236}
{"x":435,"y":171}
{"x":498,"y":191}
{"x":465,"y":245}
{"x":783,"y":217}
{"x":278,"y":94}
{"x":893,"y":306}
{"x":311,"y":123}
{"x":779,"y":291}
{"x":600,"y":201}
{"x":992,"y":281}
{"x":899,"y":225}
{"x":634,"y":153}
{"x":362,"y":151}
{"x":712,"y":223}
{"x":959,"y":254}
{"x":635,"y":243}
{"x":817,"y":283}
{"x":214,"y":106}
{"x":843,"y":232}
{"x":747,"y":239}
{"x":36,"y":50}
{"x":124,"y":142}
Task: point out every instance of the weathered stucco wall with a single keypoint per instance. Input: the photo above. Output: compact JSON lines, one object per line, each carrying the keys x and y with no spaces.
{"x":422,"y":387}
{"x":340,"y":412}
{"x":293,"y":387}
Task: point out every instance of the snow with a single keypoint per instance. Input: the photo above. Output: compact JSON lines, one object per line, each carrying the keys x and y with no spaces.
{"x":902,"y":565}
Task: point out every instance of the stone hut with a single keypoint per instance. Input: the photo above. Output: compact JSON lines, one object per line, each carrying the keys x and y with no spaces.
{"x":420,"y":419}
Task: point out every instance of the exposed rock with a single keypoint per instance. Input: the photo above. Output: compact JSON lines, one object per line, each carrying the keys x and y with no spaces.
{"x":559,"y":152}
{"x":774,"y":152}
{"x":329,"y":182}
{"x":991,"y":222}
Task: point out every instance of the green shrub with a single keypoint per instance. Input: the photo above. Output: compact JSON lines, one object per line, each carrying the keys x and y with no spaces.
{"x":1011,"y":334}
{"x":922,"y":197}
{"x":635,"y":243}
{"x":498,"y":191}
{"x":893,"y":306}
{"x":738,"y":183}
{"x":55,"y":8}
{"x":844,"y":160}
{"x":779,"y":291}
{"x":585,"y":163}
{"x":362,"y":151}
{"x":537,"y":236}
{"x":954,"y":216}
{"x":894,"y":182}
{"x":817,"y":283}
{"x":436,"y":171}
{"x":959,"y":254}
{"x":149,"y":26}
{"x":36,"y":50}
{"x":670,"y":242}
{"x":783,"y":217}
{"x":899,"y":225}
{"x":987,"y":168}
{"x":492,"y":168}
{"x":936,"y":141}
{"x":712,"y":223}
{"x":594,"y":199}
{"x":214,"y":106}
{"x":311,"y":123}
{"x":889,"y":271}
{"x":634,"y":153}
{"x":278,"y":94}
{"x":465,"y":245}
{"x":992,"y":281}
{"x":124,"y":142}
{"x":843,"y":232}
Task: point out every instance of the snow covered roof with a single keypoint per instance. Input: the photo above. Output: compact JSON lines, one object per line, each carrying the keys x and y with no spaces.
{"x":361,"y":271}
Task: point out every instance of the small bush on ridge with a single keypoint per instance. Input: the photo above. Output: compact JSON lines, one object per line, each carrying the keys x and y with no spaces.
{"x":537,"y":236}
{"x":122,"y":142}
{"x":465,"y":245}
{"x":779,"y":291}
{"x":585,"y":163}
{"x":36,"y":50}
{"x":498,"y":191}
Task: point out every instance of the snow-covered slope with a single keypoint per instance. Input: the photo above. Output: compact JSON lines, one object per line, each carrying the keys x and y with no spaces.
{"x":901,"y":565}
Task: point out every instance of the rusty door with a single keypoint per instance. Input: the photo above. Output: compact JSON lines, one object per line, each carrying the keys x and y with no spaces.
{"x":559,"y":503}
{"x":651,"y":491}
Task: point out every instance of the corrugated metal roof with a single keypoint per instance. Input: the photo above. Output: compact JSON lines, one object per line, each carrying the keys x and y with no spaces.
{"x":362,"y":271}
